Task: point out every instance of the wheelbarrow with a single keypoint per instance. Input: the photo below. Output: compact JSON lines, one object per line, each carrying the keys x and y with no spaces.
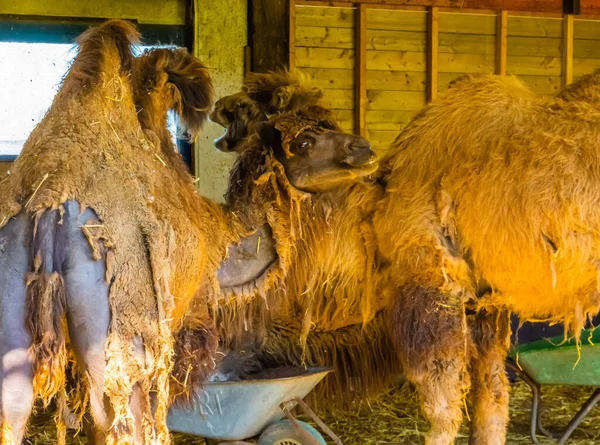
{"x":233,"y":411}
{"x":553,"y":361}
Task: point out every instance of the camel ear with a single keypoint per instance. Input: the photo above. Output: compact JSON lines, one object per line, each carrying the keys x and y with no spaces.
{"x":184,"y":79}
{"x":282,"y":97}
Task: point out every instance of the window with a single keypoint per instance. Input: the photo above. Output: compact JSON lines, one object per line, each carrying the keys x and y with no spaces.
{"x":35,"y":57}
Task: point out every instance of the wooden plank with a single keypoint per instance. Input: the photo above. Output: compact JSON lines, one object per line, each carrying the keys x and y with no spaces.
{"x":585,"y":66}
{"x":360,"y":83}
{"x":586,"y":49}
{"x":586,"y":29}
{"x":292,"y":34}
{"x":325,"y":58}
{"x":270,"y":35}
{"x":501,"y":42}
{"x":395,"y":80}
{"x":322,"y":37}
{"x":444,"y":80}
{"x":534,"y":27}
{"x":467,"y":63}
{"x":395,"y":100}
{"x":543,"y":85}
{"x":567,"y":46}
{"x":336,"y":79}
{"x":466,"y":43}
{"x":534,"y":46}
{"x":537,"y":6}
{"x":382,"y":139}
{"x":325,"y":17}
{"x":396,"y":61}
{"x":393,"y":118}
{"x":533,"y":66}
{"x":432,"y":54}
{"x":339,"y":99}
{"x":385,"y":19}
{"x":165,"y":12}
{"x":387,"y":40}
{"x":461,"y":23}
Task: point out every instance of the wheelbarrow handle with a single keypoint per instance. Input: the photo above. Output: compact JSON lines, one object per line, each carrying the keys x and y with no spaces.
{"x":307,"y":410}
{"x":307,"y":438}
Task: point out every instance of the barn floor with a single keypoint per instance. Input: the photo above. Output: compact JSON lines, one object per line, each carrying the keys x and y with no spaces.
{"x":394,"y":419}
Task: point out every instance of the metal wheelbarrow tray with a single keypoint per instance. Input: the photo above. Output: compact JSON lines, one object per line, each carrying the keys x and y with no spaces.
{"x":238,"y":410}
{"x":552,"y":362}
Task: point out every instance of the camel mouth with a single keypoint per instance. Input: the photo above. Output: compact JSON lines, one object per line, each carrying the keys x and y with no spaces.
{"x":366,"y":168}
{"x":222,"y":143}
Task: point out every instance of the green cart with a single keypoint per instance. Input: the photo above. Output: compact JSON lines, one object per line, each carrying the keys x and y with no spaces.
{"x":552,"y":362}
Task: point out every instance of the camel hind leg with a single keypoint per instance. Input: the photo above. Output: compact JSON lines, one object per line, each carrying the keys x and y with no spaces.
{"x":491,"y":338}
{"x":88,"y":312}
{"x":16,"y":371}
{"x":429,"y":334}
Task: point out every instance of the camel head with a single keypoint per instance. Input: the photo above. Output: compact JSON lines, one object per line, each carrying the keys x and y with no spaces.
{"x":263,"y":95}
{"x":316,"y":155}
{"x":171,"y":79}
{"x":304,"y":148}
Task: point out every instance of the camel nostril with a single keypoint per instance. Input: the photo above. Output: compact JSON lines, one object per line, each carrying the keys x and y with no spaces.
{"x":358,"y":147}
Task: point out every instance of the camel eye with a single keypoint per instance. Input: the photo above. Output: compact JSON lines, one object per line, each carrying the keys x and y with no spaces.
{"x":241,"y":105}
{"x":304,"y":145}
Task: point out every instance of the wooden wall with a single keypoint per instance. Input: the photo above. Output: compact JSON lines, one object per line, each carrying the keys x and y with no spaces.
{"x":586,"y":47}
{"x":401,"y":67}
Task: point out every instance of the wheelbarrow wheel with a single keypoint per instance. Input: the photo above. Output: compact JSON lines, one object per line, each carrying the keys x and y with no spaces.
{"x":282,"y":433}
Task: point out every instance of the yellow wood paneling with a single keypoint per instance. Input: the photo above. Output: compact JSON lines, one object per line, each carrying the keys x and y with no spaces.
{"x":462,"y":23}
{"x":324,"y":37}
{"x":396,"y":20}
{"x":534,"y":27}
{"x":336,"y":79}
{"x":324,"y":16}
{"x":339,"y":99}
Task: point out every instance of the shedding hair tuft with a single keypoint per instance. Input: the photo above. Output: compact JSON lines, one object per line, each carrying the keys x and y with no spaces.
{"x":193,"y":92}
{"x":95,"y":46}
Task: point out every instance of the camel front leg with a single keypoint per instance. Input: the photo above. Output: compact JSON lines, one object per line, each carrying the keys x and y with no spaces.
{"x":430,"y":335}
{"x":491,"y":338}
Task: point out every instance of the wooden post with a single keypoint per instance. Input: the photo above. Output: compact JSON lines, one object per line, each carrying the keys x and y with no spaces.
{"x":292,"y":43}
{"x":432,"y":52}
{"x":270,"y":34}
{"x":360,"y":70}
{"x":501,"y":42}
{"x":567,"y":50}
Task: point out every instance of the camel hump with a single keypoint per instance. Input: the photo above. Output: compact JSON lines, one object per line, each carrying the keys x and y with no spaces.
{"x":105,"y":49}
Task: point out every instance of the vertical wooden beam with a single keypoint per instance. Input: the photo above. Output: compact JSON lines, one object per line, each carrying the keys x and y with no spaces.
{"x":292,"y":49}
{"x":360,"y":71}
{"x":270,"y":34}
{"x":567,"y":50}
{"x":501,"y":41}
{"x":432,"y":52}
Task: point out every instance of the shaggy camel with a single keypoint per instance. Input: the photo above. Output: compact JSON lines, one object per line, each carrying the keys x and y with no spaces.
{"x":492,"y":205}
{"x":329,"y":308}
{"x":102,"y":217}
{"x":104,"y":221}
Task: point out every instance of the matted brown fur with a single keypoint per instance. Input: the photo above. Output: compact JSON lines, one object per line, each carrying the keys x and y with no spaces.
{"x":492,"y":202}
{"x":159,"y":238}
{"x":334,"y":287}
